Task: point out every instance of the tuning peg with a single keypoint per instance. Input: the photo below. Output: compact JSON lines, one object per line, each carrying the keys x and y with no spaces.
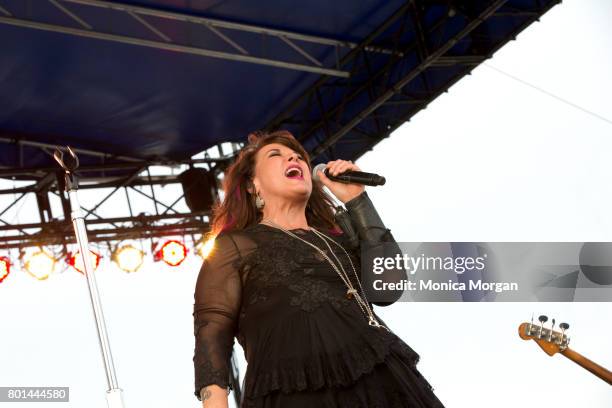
{"x":542,"y":320}
{"x":564,"y":327}
{"x":550,"y":333}
{"x":530,"y":327}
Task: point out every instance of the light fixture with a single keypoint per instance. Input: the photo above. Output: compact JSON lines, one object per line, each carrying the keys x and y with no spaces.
{"x":128,"y":258}
{"x":76,"y":260}
{"x":204,"y":248}
{"x":5,"y":267}
{"x":40,"y":264}
{"x":172,"y":252}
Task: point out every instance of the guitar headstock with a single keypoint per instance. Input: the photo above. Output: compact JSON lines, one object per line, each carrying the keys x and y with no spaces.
{"x":549,"y":340}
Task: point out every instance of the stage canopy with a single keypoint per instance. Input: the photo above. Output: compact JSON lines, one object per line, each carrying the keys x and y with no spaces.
{"x":130,"y":84}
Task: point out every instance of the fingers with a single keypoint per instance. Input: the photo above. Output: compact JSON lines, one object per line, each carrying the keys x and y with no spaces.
{"x":336,"y":167}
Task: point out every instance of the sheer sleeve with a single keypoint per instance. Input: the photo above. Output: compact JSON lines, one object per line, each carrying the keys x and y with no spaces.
{"x":216,"y":307}
{"x":377,"y":239}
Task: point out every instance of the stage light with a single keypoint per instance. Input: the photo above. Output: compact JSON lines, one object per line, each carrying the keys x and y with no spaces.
{"x":204,"y":248}
{"x":5,"y":267}
{"x":172,"y":252}
{"x":128,"y":258}
{"x":40,"y":264}
{"x":76,"y":260}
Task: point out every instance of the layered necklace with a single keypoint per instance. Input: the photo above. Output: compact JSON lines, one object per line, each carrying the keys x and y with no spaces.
{"x":351,"y":292}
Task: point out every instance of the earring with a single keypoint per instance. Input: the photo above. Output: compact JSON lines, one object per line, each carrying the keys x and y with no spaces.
{"x":259,"y":202}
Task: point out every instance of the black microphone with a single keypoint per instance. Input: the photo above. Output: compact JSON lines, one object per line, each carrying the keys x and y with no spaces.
{"x":348,"y":177}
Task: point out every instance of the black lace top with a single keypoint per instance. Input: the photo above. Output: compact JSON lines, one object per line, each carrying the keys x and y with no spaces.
{"x":288,"y":309}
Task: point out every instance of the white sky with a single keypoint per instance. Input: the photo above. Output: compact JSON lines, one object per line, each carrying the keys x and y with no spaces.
{"x":491,"y":160}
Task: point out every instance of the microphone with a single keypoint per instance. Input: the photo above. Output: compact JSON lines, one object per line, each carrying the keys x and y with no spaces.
{"x":348,"y":177}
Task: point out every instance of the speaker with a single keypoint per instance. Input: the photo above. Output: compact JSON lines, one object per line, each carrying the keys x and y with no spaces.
{"x":199,"y":187}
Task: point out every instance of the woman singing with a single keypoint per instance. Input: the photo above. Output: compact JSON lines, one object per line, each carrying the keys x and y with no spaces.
{"x":283,"y":279}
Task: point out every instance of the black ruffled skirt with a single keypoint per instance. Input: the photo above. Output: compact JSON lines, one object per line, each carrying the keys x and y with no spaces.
{"x":393,"y":383}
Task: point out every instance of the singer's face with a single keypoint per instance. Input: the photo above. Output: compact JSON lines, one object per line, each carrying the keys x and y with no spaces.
{"x":275,"y":179}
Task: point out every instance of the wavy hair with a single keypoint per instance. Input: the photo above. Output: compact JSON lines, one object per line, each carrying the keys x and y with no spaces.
{"x":238,"y":211}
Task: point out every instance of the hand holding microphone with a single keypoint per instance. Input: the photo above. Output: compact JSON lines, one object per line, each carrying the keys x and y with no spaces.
{"x":344,"y":178}
{"x":350,"y":176}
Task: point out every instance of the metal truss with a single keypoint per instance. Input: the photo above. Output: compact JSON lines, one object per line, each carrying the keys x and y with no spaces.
{"x":391,"y":75}
{"x":56,"y":229}
{"x":384,"y":91}
{"x":152,"y":19}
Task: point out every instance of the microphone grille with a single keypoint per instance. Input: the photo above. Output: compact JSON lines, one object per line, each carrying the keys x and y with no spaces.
{"x":315,"y":171}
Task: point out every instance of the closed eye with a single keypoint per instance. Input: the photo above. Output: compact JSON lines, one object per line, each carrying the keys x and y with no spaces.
{"x":275,"y":153}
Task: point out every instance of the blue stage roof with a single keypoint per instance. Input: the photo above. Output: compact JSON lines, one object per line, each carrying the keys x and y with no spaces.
{"x":83,"y":73}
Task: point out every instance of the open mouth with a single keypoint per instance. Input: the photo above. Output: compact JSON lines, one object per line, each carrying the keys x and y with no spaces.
{"x":294,"y":173}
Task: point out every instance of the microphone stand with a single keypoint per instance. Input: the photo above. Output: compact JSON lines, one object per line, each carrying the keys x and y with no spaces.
{"x":114,"y":396}
{"x":235,"y":379}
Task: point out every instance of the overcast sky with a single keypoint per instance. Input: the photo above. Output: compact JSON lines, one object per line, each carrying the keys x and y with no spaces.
{"x":492,"y":160}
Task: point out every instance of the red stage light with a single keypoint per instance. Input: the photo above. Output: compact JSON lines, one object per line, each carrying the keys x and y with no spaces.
{"x":75,"y":260}
{"x":5,"y":267}
{"x":172,"y":252}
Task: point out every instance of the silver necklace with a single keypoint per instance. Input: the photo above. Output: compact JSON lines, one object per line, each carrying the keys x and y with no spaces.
{"x":351,"y":291}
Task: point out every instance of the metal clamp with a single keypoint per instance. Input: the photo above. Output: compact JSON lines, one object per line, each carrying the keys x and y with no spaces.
{"x":69,"y":166}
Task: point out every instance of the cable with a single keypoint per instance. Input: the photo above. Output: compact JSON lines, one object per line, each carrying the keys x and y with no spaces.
{"x":550,"y":94}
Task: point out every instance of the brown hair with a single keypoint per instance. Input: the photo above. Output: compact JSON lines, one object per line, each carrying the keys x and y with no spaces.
{"x":238,"y":211}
